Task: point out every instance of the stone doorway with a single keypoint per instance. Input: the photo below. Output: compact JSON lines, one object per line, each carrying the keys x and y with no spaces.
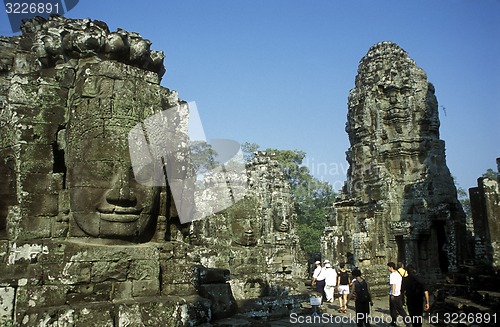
{"x":442,"y":245}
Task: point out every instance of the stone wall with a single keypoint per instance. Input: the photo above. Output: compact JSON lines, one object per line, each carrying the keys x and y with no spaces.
{"x":485,"y":206}
{"x":399,"y":202}
{"x":86,"y":239}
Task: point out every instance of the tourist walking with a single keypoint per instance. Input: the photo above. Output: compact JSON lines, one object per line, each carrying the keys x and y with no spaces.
{"x":319,"y":280}
{"x":395,"y":298}
{"x":343,"y":282}
{"x":416,"y":291}
{"x":362,"y":298}
{"x":330,"y":282}
{"x":404,"y":274}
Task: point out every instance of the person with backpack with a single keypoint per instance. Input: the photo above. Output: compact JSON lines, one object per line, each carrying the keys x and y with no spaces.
{"x":362,"y":298}
{"x":343,"y":283}
{"x":416,"y":291}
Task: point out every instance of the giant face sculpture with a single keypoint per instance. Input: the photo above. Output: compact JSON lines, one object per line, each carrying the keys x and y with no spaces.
{"x":106,"y":199}
{"x":245,"y":223}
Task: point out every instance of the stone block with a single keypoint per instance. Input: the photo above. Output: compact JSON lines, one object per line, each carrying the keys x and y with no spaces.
{"x":144,"y":270}
{"x":100,"y":314}
{"x":67,"y":273}
{"x":41,"y":204}
{"x":122,"y":290}
{"x":104,"y":250}
{"x":36,"y":158}
{"x":87,"y":315}
{"x":141,"y":288}
{"x":34,"y":228}
{"x":25,"y":252}
{"x":177,"y":272}
{"x":165,"y":311}
{"x":40,"y":296}
{"x":59,"y":226}
{"x":221,"y":298}
{"x":178,"y":289}
{"x":110,"y":271}
{"x":7,"y":296}
{"x":23,"y":91}
{"x":89,"y":293}
{"x":36,"y":183}
{"x":21,"y":274}
{"x":54,"y":101}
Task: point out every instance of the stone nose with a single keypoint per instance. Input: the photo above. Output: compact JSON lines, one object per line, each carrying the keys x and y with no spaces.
{"x":121,"y":194}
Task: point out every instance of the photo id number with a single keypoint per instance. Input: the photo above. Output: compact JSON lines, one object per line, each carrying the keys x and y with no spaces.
{"x":32,"y":8}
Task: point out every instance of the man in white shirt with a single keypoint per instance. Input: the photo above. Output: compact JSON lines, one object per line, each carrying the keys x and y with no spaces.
{"x":330,"y":282}
{"x":395,"y":299}
{"x":319,"y":280}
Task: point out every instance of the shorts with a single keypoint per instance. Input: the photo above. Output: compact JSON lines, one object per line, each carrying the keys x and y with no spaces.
{"x":344,"y":289}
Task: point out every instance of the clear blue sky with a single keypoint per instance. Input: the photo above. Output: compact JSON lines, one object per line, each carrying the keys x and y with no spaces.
{"x":278,"y":72}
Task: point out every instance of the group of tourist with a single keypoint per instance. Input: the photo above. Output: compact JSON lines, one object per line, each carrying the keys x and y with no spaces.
{"x":403,"y":283}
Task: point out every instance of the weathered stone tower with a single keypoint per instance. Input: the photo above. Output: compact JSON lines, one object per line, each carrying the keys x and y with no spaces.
{"x":485,"y":207}
{"x":399,"y":202}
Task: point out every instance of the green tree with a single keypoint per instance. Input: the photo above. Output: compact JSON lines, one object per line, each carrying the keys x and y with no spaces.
{"x":490,"y":173}
{"x":463,"y":197}
{"x":249,"y":149}
{"x":202,"y":156}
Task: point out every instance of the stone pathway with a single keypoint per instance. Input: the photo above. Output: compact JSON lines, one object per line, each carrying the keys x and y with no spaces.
{"x":330,"y":317}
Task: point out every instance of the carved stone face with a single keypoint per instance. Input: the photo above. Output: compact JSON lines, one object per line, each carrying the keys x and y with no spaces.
{"x":105,"y":198}
{"x":246,"y":226}
{"x":245,"y":232}
{"x":281,"y":219}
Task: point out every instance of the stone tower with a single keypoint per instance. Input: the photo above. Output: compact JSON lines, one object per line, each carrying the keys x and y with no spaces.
{"x":399,"y":202}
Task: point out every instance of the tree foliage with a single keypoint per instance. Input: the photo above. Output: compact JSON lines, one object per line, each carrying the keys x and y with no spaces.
{"x":490,"y":173}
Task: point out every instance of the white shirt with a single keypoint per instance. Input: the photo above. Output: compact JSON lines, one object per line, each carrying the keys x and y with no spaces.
{"x":319,"y":273}
{"x":395,"y":278}
{"x":330,"y":277}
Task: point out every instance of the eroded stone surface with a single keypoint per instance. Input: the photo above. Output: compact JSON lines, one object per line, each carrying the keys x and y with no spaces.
{"x":255,"y":238}
{"x":485,"y":205}
{"x":399,"y":202}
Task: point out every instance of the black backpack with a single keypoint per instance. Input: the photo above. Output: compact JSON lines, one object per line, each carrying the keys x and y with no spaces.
{"x":361,"y":289}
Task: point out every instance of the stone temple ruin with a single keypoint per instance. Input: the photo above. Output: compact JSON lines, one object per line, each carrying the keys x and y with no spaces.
{"x":81,"y":240}
{"x":485,"y":206}
{"x":399,"y":202}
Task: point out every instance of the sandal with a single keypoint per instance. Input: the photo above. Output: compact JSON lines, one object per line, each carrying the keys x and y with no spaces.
{"x":345,"y":310}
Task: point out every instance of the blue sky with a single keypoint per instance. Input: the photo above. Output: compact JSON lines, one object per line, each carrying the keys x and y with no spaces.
{"x":278,"y":72}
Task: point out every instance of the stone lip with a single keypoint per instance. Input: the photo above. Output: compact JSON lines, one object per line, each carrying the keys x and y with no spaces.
{"x":59,"y":39}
